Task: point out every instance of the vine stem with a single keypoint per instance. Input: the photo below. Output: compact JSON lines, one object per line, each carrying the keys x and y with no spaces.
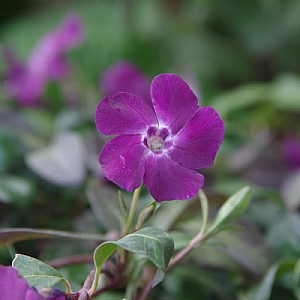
{"x":134,"y":202}
{"x":193,"y":244}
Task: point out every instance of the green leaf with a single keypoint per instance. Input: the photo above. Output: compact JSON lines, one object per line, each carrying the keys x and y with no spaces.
{"x":239,"y":98}
{"x":154,"y":243}
{"x":36,"y":272}
{"x":284,"y":92}
{"x":159,"y":277}
{"x":12,"y":235}
{"x":231,"y":210}
{"x":264,"y":290}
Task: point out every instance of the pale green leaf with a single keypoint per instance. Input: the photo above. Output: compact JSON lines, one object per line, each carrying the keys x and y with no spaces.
{"x":36,"y":272}
{"x":231,"y":210}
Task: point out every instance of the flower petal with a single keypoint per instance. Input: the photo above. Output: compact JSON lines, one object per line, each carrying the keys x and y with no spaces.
{"x":125,"y":77}
{"x":27,"y":82}
{"x":12,"y":286}
{"x":173,"y":101}
{"x":196,"y":145}
{"x":168,"y":180}
{"x":54,"y":44}
{"x":123,"y":113}
{"x":32,"y":294}
{"x":123,"y":161}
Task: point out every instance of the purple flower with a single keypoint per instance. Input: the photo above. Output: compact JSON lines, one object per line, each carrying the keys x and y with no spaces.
{"x":14,"y":287}
{"x":125,"y":77}
{"x":27,"y":82}
{"x":291,"y":150}
{"x":163,"y":146}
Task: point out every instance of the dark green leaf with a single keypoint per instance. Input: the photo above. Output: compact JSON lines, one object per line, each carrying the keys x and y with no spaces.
{"x":154,"y":243}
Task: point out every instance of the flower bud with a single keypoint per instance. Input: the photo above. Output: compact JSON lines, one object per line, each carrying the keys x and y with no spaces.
{"x":146,"y":214}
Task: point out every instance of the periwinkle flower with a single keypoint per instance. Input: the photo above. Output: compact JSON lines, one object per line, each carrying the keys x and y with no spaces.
{"x":125,"y":77}
{"x":163,"y":146}
{"x":13,"y":287}
{"x":27,"y":82}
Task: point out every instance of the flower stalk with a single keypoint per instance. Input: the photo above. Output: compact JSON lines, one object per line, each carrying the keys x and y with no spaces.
{"x":132,"y":210}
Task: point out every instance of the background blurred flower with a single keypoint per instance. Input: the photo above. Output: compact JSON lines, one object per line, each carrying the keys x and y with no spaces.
{"x":291,"y":150}
{"x":14,"y":287}
{"x":27,"y":82}
{"x":125,"y":77}
{"x":163,"y":147}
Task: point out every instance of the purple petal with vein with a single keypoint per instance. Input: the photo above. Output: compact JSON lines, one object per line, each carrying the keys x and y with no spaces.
{"x":196,"y":145}
{"x":123,"y":113}
{"x":173,"y":101}
{"x":168,"y":180}
{"x":123,"y":161}
{"x":13,"y":287}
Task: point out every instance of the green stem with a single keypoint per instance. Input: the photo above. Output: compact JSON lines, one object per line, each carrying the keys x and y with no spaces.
{"x":68,"y":286}
{"x":134,"y":202}
{"x":94,"y":286}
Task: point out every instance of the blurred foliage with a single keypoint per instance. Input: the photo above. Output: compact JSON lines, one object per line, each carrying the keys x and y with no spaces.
{"x":242,"y":58}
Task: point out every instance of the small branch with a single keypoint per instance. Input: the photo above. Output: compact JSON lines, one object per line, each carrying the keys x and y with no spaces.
{"x":193,"y":244}
{"x":146,"y":291}
{"x":88,"y":281}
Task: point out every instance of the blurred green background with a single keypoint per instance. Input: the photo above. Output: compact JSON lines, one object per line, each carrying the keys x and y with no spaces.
{"x":242,"y":58}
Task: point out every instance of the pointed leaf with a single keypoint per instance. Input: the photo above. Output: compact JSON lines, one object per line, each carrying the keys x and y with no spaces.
{"x":12,"y":235}
{"x":159,"y":277}
{"x":36,"y":272}
{"x":232,"y":209}
{"x":154,"y":243}
{"x":102,"y":253}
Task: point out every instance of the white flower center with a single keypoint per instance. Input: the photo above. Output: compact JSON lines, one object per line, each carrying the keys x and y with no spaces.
{"x":155,"y":143}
